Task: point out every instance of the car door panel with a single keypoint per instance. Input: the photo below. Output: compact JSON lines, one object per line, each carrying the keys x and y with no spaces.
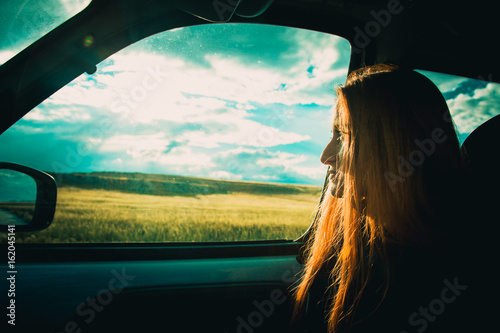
{"x":217,"y":293}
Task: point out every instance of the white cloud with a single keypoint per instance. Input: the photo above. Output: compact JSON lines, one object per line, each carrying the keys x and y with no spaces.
{"x":232,"y":80}
{"x":174,"y":115}
{"x":149,"y":87}
{"x":5,"y":55}
{"x":66,"y":113}
{"x":471,"y":111}
{"x":73,"y":7}
{"x":135,"y":145}
{"x":152,"y":149}
{"x":282,"y":158}
{"x":262,"y":164}
{"x":222,"y":174}
{"x":245,"y":133}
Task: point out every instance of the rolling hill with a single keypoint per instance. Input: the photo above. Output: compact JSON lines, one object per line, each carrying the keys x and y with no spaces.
{"x":172,"y":185}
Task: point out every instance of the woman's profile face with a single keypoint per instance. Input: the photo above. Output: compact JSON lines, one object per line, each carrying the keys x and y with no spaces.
{"x":333,"y":153}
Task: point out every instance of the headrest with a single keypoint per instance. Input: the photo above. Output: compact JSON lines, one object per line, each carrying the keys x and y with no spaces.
{"x":482,"y":147}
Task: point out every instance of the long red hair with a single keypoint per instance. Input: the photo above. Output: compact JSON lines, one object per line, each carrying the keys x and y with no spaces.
{"x":401,"y":155}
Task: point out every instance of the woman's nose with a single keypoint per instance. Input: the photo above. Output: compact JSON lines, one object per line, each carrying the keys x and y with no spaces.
{"x":329,"y":155}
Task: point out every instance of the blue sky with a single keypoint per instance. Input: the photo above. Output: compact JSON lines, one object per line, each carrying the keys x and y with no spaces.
{"x":242,"y":102}
{"x":17,"y":186}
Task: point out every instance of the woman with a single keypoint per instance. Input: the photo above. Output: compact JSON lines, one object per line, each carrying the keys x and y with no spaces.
{"x":385,"y":244}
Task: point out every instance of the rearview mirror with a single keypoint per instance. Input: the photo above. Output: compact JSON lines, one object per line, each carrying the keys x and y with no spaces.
{"x":27,"y":198}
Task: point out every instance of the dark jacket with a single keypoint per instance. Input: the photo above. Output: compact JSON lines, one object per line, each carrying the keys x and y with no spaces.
{"x":431,"y":290}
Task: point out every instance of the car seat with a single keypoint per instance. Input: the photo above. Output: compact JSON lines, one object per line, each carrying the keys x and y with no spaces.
{"x":482,"y":148}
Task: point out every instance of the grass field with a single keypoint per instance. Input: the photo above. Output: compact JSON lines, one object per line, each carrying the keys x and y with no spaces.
{"x":86,"y":214}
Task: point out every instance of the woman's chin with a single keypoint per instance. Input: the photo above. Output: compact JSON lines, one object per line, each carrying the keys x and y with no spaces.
{"x":335,"y":189}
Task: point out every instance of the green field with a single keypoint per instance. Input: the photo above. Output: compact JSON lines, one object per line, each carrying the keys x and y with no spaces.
{"x":118,"y":207}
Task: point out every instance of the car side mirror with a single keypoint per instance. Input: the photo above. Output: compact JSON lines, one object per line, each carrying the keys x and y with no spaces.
{"x":27,"y":198}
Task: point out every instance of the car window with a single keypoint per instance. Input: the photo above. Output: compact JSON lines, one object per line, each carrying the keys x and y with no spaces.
{"x":23,"y":22}
{"x":471,"y":101}
{"x":203,"y":133}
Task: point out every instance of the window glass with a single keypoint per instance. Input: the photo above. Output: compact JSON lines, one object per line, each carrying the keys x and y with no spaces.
{"x":23,"y":22}
{"x":471,"y":101}
{"x":204,"y":133}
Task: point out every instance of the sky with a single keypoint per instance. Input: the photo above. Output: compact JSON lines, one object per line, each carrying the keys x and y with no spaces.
{"x":227,"y":101}
{"x":242,"y":102}
{"x":16,"y":186}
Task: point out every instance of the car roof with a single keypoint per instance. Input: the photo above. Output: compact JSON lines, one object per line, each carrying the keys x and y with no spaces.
{"x":450,"y":37}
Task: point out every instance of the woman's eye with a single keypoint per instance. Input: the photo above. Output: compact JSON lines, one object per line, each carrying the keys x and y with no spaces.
{"x":338,"y":134}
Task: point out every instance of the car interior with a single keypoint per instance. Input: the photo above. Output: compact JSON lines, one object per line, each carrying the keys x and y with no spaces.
{"x":228,"y":284}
